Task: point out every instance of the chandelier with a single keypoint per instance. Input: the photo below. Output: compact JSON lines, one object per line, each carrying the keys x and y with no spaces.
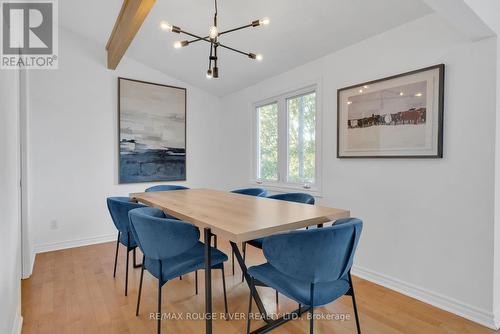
{"x":213,"y":39}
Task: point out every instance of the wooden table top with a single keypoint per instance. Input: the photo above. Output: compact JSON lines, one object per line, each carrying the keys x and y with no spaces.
{"x":237,"y":217}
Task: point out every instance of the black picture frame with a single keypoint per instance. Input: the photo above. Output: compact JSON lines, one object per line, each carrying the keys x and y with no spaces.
{"x":152,"y":180}
{"x":440,"y":115}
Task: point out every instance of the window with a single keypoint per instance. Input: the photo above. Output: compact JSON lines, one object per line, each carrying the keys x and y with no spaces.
{"x":268,"y":142}
{"x":301,"y":112}
{"x":287,"y":141}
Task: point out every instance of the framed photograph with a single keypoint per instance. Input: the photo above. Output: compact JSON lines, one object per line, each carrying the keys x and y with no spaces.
{"x":152,"y":132}
{"x":395,"y":117}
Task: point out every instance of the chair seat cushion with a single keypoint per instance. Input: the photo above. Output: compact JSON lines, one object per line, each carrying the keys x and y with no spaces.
{"x":257,"y":242}
{"x":131,"y":243}
{"x":324,"y":292}
{"x":192,"y":260}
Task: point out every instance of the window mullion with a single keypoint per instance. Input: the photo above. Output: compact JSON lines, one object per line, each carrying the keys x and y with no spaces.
{"x":301,"y":138}
{"x":282,"y":141}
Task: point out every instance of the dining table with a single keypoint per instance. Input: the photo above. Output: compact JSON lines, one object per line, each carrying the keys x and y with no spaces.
{"x":238,"y":218}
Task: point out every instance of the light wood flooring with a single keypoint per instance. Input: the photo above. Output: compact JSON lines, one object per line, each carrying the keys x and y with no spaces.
{"x":73,"y":291}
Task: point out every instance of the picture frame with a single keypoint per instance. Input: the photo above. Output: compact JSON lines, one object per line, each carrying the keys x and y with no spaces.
{"x":400,"y":116}
{"x":152,"y":129}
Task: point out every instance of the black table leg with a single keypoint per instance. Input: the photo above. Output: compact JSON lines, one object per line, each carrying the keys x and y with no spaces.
{"x":208,"y":281}
{"x":255,"y":294}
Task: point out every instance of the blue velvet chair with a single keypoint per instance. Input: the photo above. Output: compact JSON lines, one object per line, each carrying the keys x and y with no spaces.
{"x":118,"y":208}
{"x":289,"y":197}
{"x":165,"y":187}
{"x":258,"y":192}
{"x":171,"y":248}
{"x":311,"y":267}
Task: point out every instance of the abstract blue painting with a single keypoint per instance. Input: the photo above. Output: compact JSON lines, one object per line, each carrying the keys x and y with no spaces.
{"x":152,"y":132}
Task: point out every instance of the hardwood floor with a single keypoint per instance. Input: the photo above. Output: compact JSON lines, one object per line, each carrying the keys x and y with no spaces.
{"x":73,"y":291}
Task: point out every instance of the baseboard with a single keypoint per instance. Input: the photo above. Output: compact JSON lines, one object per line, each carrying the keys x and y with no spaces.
{"x":480,"y":316}
{"x":18,"y":325}
{"x":27,"y":273}
{"x":497,"y":317}
{"x":49,"y":247}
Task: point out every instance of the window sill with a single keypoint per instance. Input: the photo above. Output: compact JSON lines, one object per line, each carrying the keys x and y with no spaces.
{"x":286,"y":187}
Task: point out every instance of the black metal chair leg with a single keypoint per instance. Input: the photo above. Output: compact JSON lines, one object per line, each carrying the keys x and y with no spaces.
{"x":277,"y":298}
{"x":244,"y":258}
{"x":225,"y":295}
{"x":135,"y":261}
{"x":249,"y":316}
{"x":311,"y":311}
{"x":159,"y":302}
{"x":180,"y":277}
{"x":358,"y":327}
{"x":126,"y":266}
{"x":140,"y":288}
{"x":196,"y":282}
{"x":232,"y":254}
{"x":116,"y":254}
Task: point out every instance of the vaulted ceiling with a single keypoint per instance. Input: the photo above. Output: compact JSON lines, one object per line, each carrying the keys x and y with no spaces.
{"x":300,"y":31}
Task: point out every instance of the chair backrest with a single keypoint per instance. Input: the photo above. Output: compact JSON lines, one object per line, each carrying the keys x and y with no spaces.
{"x":294,"y":197}
{"x":118,"y":209}
{"x":319,"y":255}
{"x":160,"y":238}
{"x":164,"y":187}
{"x":258,"y":192}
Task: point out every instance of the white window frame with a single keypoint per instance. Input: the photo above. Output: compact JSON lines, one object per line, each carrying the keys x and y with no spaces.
{"x":282,"y":185}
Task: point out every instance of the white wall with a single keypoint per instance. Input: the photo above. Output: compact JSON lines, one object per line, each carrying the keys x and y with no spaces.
{"x":489,"y":12}
{"x":73,"y":143}
{"x":10,"y":223}
{"x":428,"y":223}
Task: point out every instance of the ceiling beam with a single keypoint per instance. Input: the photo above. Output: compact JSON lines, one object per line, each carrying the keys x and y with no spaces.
{"x":129,"y":21}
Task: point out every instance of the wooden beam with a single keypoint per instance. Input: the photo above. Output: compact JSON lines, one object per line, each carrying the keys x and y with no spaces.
{"x":129,"y":21}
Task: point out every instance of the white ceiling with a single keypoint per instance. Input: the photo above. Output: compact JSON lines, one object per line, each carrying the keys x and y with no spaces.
{"x":300,"y":31}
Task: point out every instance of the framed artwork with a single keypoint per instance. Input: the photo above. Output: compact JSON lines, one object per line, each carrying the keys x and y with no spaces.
{"x":152,"y":132}
{"x":395,"y":117}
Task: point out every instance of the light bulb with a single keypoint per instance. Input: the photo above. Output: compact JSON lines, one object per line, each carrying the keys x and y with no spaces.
{"x":418,"y":94}
{"x":166,"y":26}
{"x":366,"y":86}
{"x":360,"y":91}
{"x":214,"y":32}
{"x":209,"y":74}
{"x":178,"y":45}
{"x":259,"y":57}
{"x":349,"y":102}
{"x":401,"y":94}
{"x":264,"y":21}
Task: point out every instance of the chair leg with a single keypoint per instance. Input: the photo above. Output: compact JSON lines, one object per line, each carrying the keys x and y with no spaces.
{"x":159,"y":301}
{"x":215,"y":241}
{"x":311,"y":311}
{"x":358,"y":327}
{"x":134,"y":261}
{"x":140,"y":288}
{"x":249,"y":316}
{"x":116,"y":254}
{"x":244,"y":258}
{"x":232,"y":255}
{"x":126,"y":272}
{"x":225,"y":295}
{"x":277,"y":298}
{"x":196,"y":282}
